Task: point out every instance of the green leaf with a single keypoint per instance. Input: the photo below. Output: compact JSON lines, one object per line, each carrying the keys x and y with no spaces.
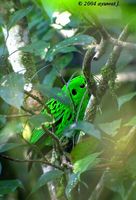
{"x":45,"y":178}
{"x":86,"y":163}
{"x":55,"y":93}
{"x":69,"y":49}
{"x":8,"y":146}
{"x":132,"y":122}
{"x":49,"y":34}
{"x":89,"y":129}
{"x":50,"y":78}
{"x":62,"y":46}
{"x":58,"y":65}
{"x":37,"y":48}
{"x":18,"y":15}
{"x":72,"y":182}
{"x":131,"y":166}
{"x":131,"y":191}
{"x":115,"y":183}
{"x":2,"y":121}
{"x":83,"y":148}
{"x":84,"y":126}
{"x":10,"y":130}
{"x":125,"y":98}
{"x":37,"y":120}
{"x":12,"y":89}
{"x":62,"y":61}
{"x":0,"y":168}
{"x":1,"y":20}
{"x":9,"y":186}
{"x":111,"y":128}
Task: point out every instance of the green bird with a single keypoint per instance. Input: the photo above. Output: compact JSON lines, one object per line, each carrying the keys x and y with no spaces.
{"x":63,"y":115}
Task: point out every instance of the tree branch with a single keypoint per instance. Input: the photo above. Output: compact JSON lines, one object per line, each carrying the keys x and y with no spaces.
{"x":91,"y":84}
{"x":16,"y":37}
{"x":106,"y":36}
{"x":86,"y":67}
{"x":108,"y":72}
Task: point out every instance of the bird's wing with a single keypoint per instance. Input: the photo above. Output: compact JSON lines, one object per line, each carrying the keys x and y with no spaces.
{"x":57,"y":110}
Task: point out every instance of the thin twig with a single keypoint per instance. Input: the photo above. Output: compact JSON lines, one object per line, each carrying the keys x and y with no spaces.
{"x":54,"y":137}
{"x":79,"y":108}
{"x":29,"y":160}
{"x":131,"y":189}
{"x":17,"y":115}
{"x":34,"y":97}
{"x":99,"y":187}
{"x":112,"y":165}
{"x":27,"y":110}
{"x":38,"y":100}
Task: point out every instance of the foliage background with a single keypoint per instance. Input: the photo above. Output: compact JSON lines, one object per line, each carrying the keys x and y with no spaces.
{"x":109,"y":161}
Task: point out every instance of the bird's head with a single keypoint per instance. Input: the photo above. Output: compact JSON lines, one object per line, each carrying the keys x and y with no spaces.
{"x":76,"y":89}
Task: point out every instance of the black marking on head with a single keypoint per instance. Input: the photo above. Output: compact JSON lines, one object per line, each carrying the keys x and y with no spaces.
{"x":74,"y":92}
{"x":82,"y":85}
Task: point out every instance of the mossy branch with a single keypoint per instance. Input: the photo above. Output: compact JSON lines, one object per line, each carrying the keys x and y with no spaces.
{"x":108,"y":73}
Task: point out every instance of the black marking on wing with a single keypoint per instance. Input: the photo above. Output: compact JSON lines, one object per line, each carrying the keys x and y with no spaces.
{"x":58,"y":122}
{"x":70,"y":116}
{"x":54,"y":103}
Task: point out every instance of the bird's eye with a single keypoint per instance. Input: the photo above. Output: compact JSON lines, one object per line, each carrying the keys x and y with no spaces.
{"x":74,"y":92}
{"x":82,"y":85}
